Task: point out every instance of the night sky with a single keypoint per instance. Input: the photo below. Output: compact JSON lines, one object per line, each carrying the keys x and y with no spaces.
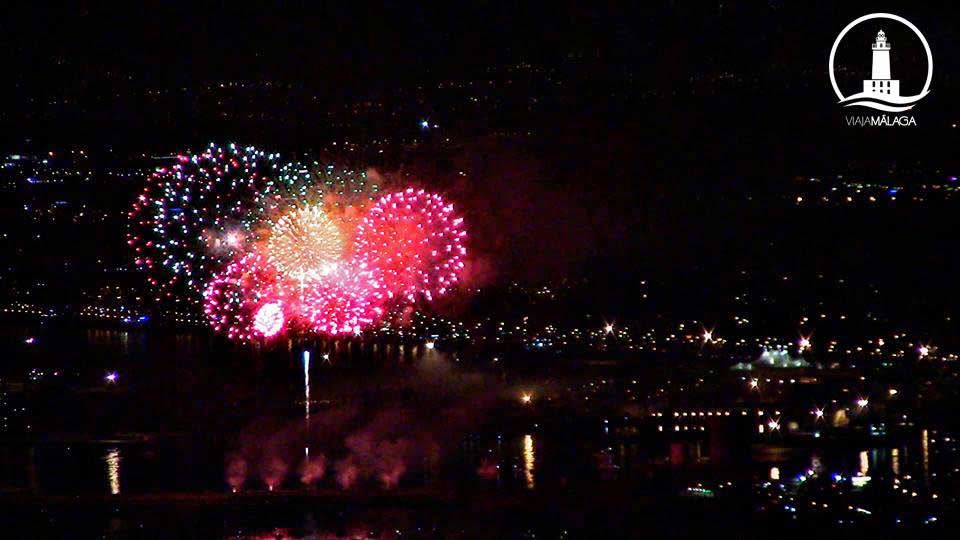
{"x":673,"y":128}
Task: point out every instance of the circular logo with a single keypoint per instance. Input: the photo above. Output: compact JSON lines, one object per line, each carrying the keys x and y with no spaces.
{"x":881,"y":91}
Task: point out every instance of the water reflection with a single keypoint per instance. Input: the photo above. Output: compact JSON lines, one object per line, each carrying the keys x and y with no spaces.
{"x":112,"y":460}
{"x":529,"y":461}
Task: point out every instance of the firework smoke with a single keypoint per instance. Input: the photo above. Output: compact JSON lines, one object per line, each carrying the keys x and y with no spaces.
{"x":368,"y":445}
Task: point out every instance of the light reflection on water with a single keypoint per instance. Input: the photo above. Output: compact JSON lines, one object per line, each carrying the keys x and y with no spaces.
{"x":112,"y":460}
{"x":529,"y":461}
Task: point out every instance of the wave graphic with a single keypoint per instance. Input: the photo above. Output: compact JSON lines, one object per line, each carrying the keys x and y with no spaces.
{"x":886,"y":104}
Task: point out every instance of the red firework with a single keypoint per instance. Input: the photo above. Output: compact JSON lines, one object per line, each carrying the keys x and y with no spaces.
{"x":343,"y":302}
{"x":234,"y":297}
{"x":408,"y":246}
{"x":414,"y":243}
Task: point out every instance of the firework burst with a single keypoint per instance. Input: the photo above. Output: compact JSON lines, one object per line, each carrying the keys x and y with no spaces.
{"x":414,"y":242}
{"x":344,"y":194}
{"x":189,"y":216}
{"x":270,"y":248}
{"x":344,"y":302}
{"x":235,"y":298}
{"x":305,"y":244}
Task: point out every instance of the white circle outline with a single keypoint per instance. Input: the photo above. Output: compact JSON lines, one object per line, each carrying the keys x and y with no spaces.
{"x":908,"y":24}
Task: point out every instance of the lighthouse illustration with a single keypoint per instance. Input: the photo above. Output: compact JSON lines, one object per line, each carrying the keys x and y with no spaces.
{"x":880,"y":83}
{"x":880,"y":91}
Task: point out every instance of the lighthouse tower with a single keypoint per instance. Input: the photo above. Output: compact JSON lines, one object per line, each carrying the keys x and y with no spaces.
{"x":880,"y":82}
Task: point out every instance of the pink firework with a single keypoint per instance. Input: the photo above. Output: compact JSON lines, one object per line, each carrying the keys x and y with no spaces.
{"x":235,"y":299}
{"x":414,"y":243}
{"x":344,"y":302}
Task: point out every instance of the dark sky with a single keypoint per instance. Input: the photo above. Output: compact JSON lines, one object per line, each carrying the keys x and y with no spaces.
{"x":659,"y":175}
{"x":314,"y":41}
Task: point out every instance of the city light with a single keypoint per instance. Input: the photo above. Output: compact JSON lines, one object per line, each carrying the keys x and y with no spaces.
{"x":111,"y":377}
{"x":526,"y":398}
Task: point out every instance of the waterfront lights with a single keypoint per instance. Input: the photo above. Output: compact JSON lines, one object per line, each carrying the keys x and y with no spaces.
{"x":862,"y":402}
{"x":526,"y":398}
{"x":111,"y":377}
